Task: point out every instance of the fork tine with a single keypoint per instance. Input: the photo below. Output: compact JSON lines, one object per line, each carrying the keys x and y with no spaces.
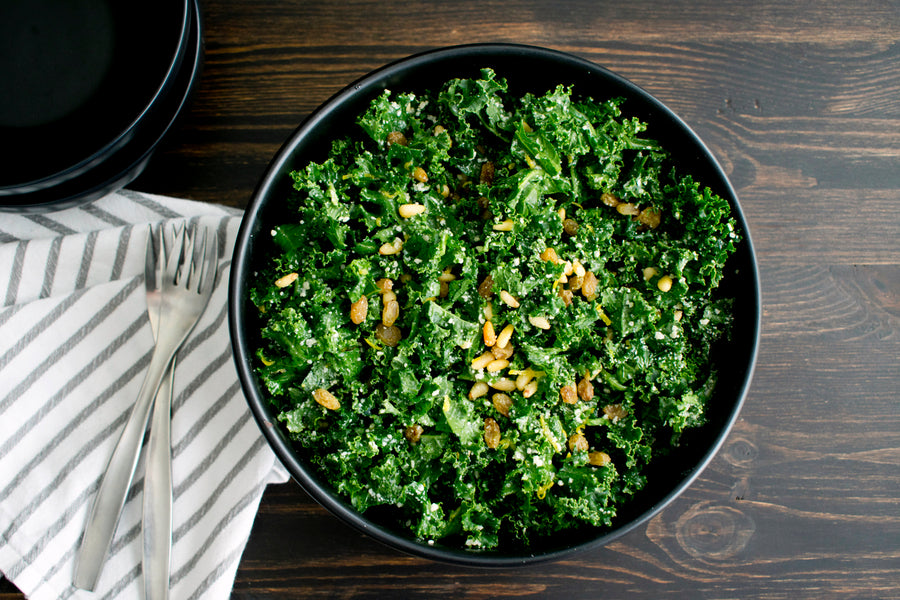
{"x":151,"y":263}
{"x":174,"y":258}
{"x":210,"y":260}
{"x":189,"y":260}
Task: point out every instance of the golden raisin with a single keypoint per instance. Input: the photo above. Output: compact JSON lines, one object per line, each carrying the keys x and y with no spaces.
{"x":413,"y":433}
{"x":614,"y":412}
{"x":568,"y":394}
{"x":609,"y":199}
{"x":599,"y":459}
{"x":486,"y":287}
{"x":570,"y":227}
{"x":502,"y":403}
{"x":326,"y":399}
{"x":566,"y":296}
{"x":396,"y":137}
{"x":585,"y":390}
{"x":384,"y":285}
{"x":578,"y":443}
{"x":491,"y":433}
{"x":359,"y":310}
{"x":649,"y":217}
{"x":549,"y":254}
{"x":589,"y":286}
{"x":390,"y":312}
{"x":388,"y":335}
{"x":502,"y":352}
{"x":487,"y":173}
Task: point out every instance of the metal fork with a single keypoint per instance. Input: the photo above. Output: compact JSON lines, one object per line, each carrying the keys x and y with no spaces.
{"x":182,"y":293}
{"x":156,"y":527}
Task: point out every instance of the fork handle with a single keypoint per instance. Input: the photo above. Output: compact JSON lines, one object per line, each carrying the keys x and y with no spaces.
{"x":157,"y":514}
{"x":113,"y":490}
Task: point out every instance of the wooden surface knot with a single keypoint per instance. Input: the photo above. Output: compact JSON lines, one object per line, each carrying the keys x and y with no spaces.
{"x":714,"y":531}
{"x":740,"y":452}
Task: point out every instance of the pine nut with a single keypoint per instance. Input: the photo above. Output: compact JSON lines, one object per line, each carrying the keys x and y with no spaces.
{"x":504,"y":384}
{"x":487,"y":332}
{"x":497,"y":365}
{"x":482,"y":361}
{"x":505,"y":335}
{"x":478,"y":390}
{"x":509,"y":299}
{"x":410,"y":210}
{"x":539,"y":322}
{"x":287,"y":280}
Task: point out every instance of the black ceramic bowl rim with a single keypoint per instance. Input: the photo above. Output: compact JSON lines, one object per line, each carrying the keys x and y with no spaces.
{"x":273,"y":182}
{"x":22,"y":195}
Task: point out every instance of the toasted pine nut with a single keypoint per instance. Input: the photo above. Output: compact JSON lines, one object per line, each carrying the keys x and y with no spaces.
{"x":482,"y":361}
{"x":420,"y":175}
{"x":649,"y":272}
{"x":446,"y":275}
{"x":505,"y":334}
{"x":506,"y":225}
{"x":487,"y":332}
{"x":488,"y":311}
{"x":539,"y":322}
{"x":529,"y":390}
{"x":504,"y":384}
{"x":287,"y":280}
{"x":478,"y":390}
{"x":509,"y":299}
{"x":410,"y":210}
{"x":524,"y":378}
{"x":497,"y":365}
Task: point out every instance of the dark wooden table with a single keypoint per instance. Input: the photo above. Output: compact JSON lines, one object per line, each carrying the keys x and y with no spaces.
{"x":800,"y":101}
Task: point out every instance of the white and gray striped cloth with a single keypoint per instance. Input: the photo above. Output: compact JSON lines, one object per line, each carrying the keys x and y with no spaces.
{"x":74,"y":346}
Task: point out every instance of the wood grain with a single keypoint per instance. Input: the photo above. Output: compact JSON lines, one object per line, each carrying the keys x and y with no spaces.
{"x":800,"y":101}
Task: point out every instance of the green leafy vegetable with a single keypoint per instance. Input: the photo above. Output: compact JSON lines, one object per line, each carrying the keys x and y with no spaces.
{"x":549,"y":216}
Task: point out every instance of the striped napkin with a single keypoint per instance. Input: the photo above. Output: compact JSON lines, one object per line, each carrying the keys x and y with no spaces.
{"x":75,"y":343}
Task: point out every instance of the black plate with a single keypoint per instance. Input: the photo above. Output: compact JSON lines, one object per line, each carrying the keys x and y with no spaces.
{"x":64,"y":154}
{"x":526,"y":69}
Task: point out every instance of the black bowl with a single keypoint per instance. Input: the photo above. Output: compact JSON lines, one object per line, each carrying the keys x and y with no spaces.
{"x":92,"y":86}
{"x":526,"y":69}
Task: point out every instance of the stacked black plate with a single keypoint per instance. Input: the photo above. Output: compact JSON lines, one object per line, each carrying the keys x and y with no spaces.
{"x":88,"y":89}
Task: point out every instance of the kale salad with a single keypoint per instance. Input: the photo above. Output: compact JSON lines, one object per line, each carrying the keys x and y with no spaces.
{"x":487,"y":313}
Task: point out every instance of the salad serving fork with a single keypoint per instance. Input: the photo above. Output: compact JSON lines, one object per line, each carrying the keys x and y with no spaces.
{"x":179,"y":279}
